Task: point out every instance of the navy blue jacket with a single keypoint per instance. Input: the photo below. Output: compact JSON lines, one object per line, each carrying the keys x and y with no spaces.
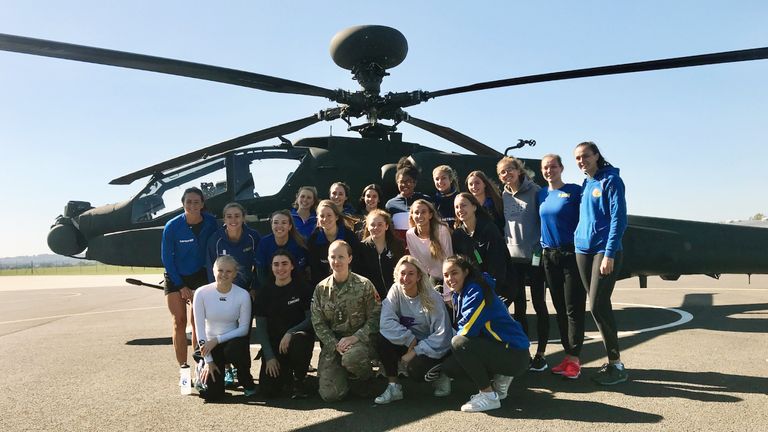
{"x":243,"y":251}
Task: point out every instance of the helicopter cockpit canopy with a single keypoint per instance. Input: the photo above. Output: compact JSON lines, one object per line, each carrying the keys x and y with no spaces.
{"x":271,"y":166}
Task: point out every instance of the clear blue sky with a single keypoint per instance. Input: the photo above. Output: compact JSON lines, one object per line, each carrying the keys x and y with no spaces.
{"x":691,"y":143}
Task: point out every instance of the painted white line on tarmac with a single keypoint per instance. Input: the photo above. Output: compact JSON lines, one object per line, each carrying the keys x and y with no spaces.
{"x":595,"y":336}
{"x":80,"y":314}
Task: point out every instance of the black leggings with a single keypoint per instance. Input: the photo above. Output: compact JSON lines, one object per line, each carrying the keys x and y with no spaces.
{"x":599,"y":289}
{"x":535,"y":276}
{"x":568,"y":296}
{"x":480,"y":359}
{"x":237,"y":352}
{"x":293,"y":364}
{"x":390,"y":354}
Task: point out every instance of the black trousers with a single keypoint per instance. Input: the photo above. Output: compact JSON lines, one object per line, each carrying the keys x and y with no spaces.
{"x":599,"y":290}
{"x":480,"y":359}
{"x":568,"y":296}
{"x":293,"y":365}
{"x":389,"y":355}
{"x":237,"y":352}
{"x":535,"y":276}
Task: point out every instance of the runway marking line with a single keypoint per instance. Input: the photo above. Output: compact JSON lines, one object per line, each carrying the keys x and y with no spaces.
{"x":80,"y":314}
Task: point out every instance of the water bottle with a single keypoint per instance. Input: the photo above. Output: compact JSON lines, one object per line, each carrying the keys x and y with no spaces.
{"x":186,"y":379}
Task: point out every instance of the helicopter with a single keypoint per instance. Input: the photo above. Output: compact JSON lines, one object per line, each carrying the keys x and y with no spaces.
{"x":129,"y":232}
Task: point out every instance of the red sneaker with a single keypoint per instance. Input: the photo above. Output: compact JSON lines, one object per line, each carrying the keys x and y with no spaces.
{"x":559,"y":369}
{"x":572,"y":370}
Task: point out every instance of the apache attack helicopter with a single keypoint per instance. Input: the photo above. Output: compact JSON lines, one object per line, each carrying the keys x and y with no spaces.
{"x":129,"y":232}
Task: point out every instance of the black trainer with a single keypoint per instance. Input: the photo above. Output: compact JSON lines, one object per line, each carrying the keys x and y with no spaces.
{"x":538,"y":363}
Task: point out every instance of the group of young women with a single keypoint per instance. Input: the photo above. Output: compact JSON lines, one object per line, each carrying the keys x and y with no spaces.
{"x":401,"y":285}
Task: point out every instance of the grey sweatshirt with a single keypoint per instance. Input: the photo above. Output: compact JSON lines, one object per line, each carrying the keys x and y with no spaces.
{"x":403,"y":319}
{"x":522,"y":225}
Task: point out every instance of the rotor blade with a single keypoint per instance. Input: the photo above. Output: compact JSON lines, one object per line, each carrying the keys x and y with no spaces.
{"x":455,"y":137}
{"x":46,"y":48}
{"x":216,"y":149}
{"x":671,"y":63}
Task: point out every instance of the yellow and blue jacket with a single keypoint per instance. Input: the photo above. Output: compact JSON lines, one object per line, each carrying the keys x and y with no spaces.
{"x":476,"y":318}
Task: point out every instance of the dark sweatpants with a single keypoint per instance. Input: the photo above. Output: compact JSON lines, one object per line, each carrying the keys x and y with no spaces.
{"x":599,"y":290}
{"x":480,"y":359}
{"x":568,"y":296}
{"x":535,"y":275}
{"x":237,"y":352}
{"x":389,"y":355}
{"x":293,"y":365}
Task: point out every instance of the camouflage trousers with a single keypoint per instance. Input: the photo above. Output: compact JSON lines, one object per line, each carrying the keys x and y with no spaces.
{"x":334,"y":370}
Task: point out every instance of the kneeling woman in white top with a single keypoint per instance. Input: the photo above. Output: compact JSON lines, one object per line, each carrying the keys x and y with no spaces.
{"x":223,"y":316}
{"x":414,"y":328}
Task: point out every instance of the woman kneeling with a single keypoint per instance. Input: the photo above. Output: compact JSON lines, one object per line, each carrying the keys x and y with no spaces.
{"x":345,"y":315}
{"x":223,"y":317}
{"x":284,"y":329}
{"x":489,"y":347}
{"x":414,"y":328}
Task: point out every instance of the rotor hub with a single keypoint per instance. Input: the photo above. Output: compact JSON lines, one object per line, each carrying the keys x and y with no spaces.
{"x":368,"y":51}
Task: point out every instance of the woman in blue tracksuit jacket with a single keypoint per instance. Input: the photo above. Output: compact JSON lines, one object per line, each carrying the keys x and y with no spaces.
{"x":488,"y":342}
{"x":237,"y":240}
{"x":602,"y":221}
{"x":183,"y":253}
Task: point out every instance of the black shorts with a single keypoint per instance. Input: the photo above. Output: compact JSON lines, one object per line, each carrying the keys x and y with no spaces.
{"x":193,"y":281}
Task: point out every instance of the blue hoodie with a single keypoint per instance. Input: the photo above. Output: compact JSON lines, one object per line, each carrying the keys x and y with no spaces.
{"x":475,"y":318}
{"x":243,"y":251}
{"x":602,"y":214}
{"x":182,"y":251}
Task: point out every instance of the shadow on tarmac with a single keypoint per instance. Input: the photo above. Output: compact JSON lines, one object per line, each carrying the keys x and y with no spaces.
{"x":534,"y":396}
{"x":150,"y":341}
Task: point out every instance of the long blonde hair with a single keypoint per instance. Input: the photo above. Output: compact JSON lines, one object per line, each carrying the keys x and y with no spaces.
{"x":423,"y":286}
{"x":435,"y":248}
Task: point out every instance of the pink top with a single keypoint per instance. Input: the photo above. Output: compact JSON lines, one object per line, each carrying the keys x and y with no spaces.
{"x":419,"y":248}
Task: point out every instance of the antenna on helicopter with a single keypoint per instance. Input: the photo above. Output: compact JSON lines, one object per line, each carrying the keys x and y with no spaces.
{"x":520,"y":143}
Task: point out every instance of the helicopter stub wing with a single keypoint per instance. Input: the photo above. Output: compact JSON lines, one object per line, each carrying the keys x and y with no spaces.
{"x":216,"y":149}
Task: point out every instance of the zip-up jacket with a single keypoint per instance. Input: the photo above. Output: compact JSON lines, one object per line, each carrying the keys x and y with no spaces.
{"x":602,"y":214}
{"x":243,"y":251}
{"x":304,"y":228}
{"x":183,"y":252}
{"x":318,"y":250}
{"x":485,"y":247}
{"x":377,"y":267}
{"x":522,"y":225}
{"x":475,"y":318}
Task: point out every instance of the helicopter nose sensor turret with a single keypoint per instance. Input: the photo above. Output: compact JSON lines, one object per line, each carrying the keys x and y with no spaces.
{"x":65,"y":238}
{"x":368,"y":51}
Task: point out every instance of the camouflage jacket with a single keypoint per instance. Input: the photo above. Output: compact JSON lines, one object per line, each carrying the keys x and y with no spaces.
{"x":344,"y":310}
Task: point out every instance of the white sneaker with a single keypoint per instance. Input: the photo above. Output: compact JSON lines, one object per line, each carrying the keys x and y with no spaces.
{"x":482,"y":401}
{"x":442,"y":386}
{"x":393,"y":392}
{"x":501,"y":385}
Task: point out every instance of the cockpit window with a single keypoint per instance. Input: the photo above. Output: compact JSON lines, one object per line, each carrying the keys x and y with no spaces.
{"x":262,"y":173}
{"x":164,"y":194}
